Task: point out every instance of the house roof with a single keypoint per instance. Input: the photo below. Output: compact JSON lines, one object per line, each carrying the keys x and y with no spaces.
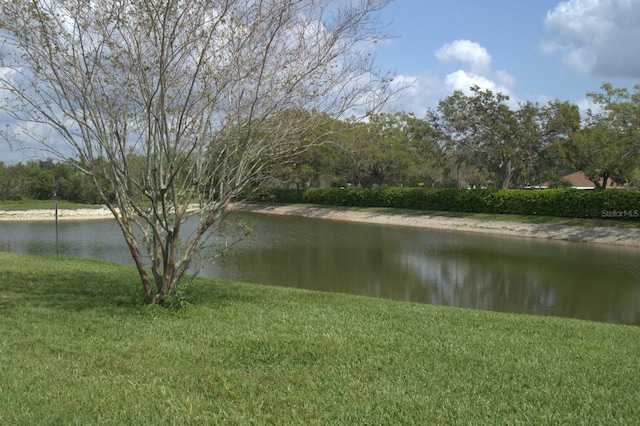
{"x":579,"y":180}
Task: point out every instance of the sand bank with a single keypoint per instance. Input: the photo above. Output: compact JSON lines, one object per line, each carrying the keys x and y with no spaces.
{"x":584,"y":234}
{"x":49,"y":214}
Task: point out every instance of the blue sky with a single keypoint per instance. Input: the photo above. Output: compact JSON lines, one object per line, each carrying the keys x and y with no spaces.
{"x":535,"y":50}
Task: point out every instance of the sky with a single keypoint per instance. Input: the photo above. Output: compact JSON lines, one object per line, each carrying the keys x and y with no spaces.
{"x":530,"y":50}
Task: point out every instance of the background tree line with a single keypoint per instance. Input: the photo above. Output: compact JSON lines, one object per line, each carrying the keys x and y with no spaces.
{"x":478,"y":140}
{"x":474,"y":140}
{"x":42,"y":179}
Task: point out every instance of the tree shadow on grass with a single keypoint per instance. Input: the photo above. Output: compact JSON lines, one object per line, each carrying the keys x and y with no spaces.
{"x":68,"y":284}
{"x":81,"y":284}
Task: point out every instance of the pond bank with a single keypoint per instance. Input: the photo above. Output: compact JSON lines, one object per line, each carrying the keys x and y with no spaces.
{"x":583,"y":234}
{"x":50,"y":214}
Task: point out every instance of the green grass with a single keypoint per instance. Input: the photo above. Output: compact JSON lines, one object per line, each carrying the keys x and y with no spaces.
{"x":79,"y":347}
{"x":43,"y":204}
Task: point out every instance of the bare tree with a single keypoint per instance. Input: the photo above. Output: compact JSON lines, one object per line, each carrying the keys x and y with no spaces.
{"x":171,"y":104}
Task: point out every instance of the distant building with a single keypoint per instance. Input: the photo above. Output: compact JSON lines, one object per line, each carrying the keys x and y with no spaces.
{"x":578,"y":180}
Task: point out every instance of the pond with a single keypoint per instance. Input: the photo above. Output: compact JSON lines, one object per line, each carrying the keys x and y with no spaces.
{"x":506,"y":274}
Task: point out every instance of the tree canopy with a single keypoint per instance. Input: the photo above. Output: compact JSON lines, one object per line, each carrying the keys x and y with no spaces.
{"x":505,"y":144}
{"x":608,"y":146}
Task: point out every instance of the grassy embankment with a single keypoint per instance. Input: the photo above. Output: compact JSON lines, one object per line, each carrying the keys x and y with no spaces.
{"x":78,"y":347}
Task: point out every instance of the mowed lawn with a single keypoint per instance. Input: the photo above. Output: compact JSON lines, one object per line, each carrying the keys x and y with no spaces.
{"x":78,"y":346}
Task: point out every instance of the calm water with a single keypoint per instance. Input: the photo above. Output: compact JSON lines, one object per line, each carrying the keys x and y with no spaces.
{"x":594,"y":282}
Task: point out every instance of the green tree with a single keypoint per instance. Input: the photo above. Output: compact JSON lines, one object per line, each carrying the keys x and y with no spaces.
{"x":561,"y":120}
{"x":608,"y":145}
{"x":480,"y":131}
{"x":388,"y":150}
{"x":211,"y":94}
{"x":384,"y":153}
{"x":542,"y":129}
{"x":320,"y":164}
{"x":13,"y":184}
{"x":40,"y":179}
{"x":427,"y":165}
{"x":72,"y":185}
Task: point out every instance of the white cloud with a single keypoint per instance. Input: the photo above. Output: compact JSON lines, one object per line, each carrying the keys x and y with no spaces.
{"x":505,"y":78}
{"x":468,"y":52}
{"x":585,"y":105}
{"x":597,"y":37}
{"x":463,"y":81}
{"x":420,"y":93}
{"x":424,"y":91}
{"x":478,"y":71}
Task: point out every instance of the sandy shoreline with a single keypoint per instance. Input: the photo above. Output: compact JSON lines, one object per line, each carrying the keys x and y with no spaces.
{"x":49,"y":214}
{"x":583,"y":234}
{"x":600,"y":235}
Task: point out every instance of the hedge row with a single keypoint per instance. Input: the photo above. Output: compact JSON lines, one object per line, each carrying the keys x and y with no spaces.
{"x":617,"y":204}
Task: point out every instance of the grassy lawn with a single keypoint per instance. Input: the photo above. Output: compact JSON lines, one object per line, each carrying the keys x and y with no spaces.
{"x":79,"y":347}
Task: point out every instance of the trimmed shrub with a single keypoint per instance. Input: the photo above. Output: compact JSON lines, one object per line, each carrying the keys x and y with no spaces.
{"x":576,"y":203}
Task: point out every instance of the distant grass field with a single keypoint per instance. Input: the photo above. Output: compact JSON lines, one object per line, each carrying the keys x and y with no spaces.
{"x":78,"y":347}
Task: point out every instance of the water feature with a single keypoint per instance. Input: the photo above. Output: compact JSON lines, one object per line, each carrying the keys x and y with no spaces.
{"x":586,"y":281}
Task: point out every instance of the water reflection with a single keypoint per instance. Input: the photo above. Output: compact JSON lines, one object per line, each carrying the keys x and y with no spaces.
{"x":594,"y":282}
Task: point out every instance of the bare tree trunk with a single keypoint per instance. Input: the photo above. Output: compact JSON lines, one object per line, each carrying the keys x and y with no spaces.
{"x":506,"y":174}
{"x":148,"y":288}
